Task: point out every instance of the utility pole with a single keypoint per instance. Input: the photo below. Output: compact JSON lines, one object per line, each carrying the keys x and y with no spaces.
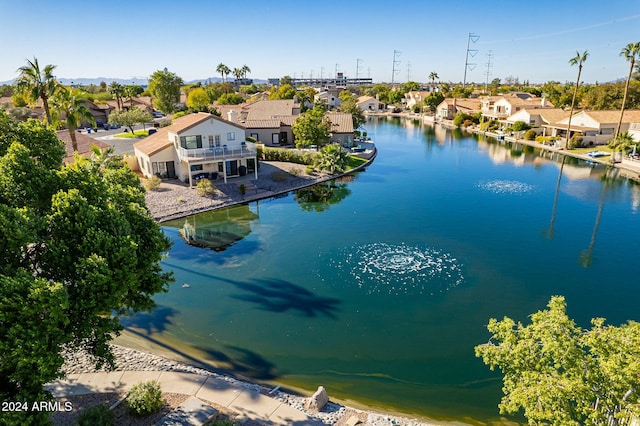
{"x":487,"y":73}
{"x":470,"y":52}
{"x":396,"y":65}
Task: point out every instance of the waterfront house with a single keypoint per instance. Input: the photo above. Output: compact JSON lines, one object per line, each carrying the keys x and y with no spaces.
{"x":499,"y":108}
{"x":369,"y":104}
{"x":595,"y":127}
{"x":341,"y":128}
{"x":413,"y":98}
{"x":267,"y":121}
{"x":195,"y":146}
{"x":449,"y":107}
{"x":329,"y":98}
{"x":539,"y":119}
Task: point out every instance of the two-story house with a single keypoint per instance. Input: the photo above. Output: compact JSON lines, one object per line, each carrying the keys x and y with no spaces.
{"x":194,"y":146}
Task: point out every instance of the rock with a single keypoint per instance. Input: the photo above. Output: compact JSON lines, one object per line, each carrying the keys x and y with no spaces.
{"x":353,"y":421}
{"x":318,"y":400}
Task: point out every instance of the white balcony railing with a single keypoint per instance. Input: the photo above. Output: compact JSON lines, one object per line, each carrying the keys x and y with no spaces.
{"x":218,"y":153}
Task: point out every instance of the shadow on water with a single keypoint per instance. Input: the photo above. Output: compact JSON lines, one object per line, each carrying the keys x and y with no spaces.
{"x":277,"y":295}
{"x":153,"y":322}
{"x":243,"y":362}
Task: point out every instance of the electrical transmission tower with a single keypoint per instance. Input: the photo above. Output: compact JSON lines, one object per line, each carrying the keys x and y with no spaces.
{"x":408,"y":71}
{"x":358,"y":66}
{"x":487,"y":72}
{"x":470,"y":52}
{"x":396,"y":65}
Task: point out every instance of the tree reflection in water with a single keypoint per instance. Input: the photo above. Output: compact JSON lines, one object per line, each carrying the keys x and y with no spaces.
{"x":320,"y":197}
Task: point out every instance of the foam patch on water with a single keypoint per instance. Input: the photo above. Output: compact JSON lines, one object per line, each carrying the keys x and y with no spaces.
{"x":399,"y":269}
{"x":499,"y":186}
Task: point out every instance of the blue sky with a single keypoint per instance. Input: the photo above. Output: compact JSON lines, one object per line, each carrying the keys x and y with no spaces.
{"x":125,"y":39}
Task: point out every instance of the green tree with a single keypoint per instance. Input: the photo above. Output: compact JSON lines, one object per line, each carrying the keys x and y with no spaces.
{"x":286,"y":80}
{"x":237,"y":73}
{"x":409,"y":86}
{"x":579,"y":59}
{"x":131,"y":91}
{"x":433,"y":100}
{"x":117,"y":90}
{"x":198,"y":99}
{"x":74,"y":110}
{"x":37,"y":84}
{"x":215,"y":90}
{"x":312,"y":128}
{"x":561,"y":374}
{"x":223,"y":70}
{"x":332,"y":159}
{"x":349,"y":106}
{"x":164,"y":86}
{"x":230,"y":99}
{"x":83,"y":250}
{"x":285,"y":91}
{"x":433,"y":76}
{"x":630,"y":52}
{"x":130,"y":118}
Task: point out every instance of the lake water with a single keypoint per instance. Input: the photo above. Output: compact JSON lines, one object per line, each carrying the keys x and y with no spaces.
{"x":379,"y":287}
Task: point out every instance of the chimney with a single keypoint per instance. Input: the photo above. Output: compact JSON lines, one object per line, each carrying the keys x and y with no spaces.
{"x":543,"y":102}
{"x":232,"y":116}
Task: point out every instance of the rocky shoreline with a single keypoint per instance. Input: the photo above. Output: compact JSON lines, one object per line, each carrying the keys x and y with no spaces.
{"x":133,"y":360}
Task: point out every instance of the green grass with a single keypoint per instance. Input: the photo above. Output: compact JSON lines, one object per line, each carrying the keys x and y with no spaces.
{"x":603,"y":148}
{"x":134,"y":135}
{"x":355,"y":162}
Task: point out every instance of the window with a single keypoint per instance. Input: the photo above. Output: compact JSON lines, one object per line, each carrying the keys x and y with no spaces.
{"x":255,"y":136}
{"x":231,"y":136}
{"x":196,"y":167}
{"x":217,"y":138}
{"x":211,"y":141}
{"x":191,"y":142}
{"x":220,"y":167}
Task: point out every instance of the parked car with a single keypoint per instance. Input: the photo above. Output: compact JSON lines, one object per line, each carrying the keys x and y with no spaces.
{"x":158,"y":114}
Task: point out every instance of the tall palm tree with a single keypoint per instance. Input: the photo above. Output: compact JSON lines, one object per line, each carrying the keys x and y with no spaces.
{"x":223,"y":70}
{"x":630,"y":51}
{"x":433,"y":76}
{"x":579,"y":59}
{"x":74,"y":109}
{"x":245,"y":70}
{"x":237,"y":72}
{"x":36,"y":83}
{"x":117,"y":90}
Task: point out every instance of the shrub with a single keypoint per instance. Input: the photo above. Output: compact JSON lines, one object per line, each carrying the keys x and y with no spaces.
{"x":575,"y":142}
{"x":179,"y":114}
{"x":309,"y":169}
{"x":99,"y":415}
{"x":152,"y":183}
{"x":279,"y":176}
{"x":145,"y":398}
{"x":530,"y":135}
{"x":288,"y":155}
{"x":296,"y":171}
{"x":519,"y":126}
{"x":205,"y":188}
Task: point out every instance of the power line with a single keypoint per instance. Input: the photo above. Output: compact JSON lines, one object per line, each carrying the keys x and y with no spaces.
{"x":470,"y":52}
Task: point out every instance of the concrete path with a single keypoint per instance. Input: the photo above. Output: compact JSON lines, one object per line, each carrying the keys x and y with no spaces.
{"x":250,"y":404}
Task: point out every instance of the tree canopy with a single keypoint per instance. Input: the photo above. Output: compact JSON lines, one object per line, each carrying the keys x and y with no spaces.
{"x":312,"y":128}
{"x":164,"y":86}
{"x":37,"y":83}
{"x":130,"y":117}
{"x":78,"y":249}
{"x":559,"y":373}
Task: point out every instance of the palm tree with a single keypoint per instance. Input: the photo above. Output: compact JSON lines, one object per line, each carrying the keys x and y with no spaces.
{"x":579,"y":59}
{"x":237,"y":72}
{"x":630,"y":51}
{"x":117,"y":90}
{"x":245,"y":70}
{"x":433,"y":76}
{"x":74,"y":110}
{"x":36,"y":83}
{"x":223,"y":70}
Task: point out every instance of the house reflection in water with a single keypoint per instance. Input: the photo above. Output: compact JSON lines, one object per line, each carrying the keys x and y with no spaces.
{"x":216,"y":230}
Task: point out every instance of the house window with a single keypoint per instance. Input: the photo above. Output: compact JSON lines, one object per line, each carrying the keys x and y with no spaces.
{"x":255,"y":136}
{"x":217,"y":139}
{"x":196,"y":167}
{"x":231,"y":136}
{"x":220,"y":167}
{"x":154,"y":167}
{"x":191,"y":142}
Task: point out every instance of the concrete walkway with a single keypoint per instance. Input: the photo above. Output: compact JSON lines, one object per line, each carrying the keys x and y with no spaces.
{"x":250,"y":404}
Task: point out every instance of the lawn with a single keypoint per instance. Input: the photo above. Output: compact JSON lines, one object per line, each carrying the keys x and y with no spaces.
{"x":135,"y":135}
{"x":355,"y":162}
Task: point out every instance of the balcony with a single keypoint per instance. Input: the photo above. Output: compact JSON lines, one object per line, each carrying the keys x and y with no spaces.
{"x":218,"y":153}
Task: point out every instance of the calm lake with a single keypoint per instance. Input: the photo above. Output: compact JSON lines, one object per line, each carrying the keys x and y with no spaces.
{"x":378,"y":287}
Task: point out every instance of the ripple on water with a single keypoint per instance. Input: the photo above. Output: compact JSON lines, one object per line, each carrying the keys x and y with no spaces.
{"x":398,"y":269}
{"x":499,"y":186}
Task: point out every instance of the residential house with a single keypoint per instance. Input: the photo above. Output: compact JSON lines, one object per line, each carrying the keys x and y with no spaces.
{"x":269,"y":122}
{"x":539,"y":119}
{"x":369,"y":104}
{"x":329,"y":98}
{"x":84,"y":143}
{"x":449,"y":107}
{"x":195,"y":146}
{"x":499,"y":108}
{"x":341,"y":128}
{"x":595,"y":127}
{"x":413,"y":98}
{"x":634,"y":131}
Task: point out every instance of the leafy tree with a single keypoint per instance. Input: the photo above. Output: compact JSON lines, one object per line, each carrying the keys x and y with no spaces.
{"x":312,"y":128}
{"x":6,"y":90}
{"x":82,"y":251}
{"x":164,"y":86}
{"x":215,"y":90}
{"x":576,"y":60}
{"x":131,"y":91}
{"x":630,"y":52}
{"x":130,"y":118}
{"x":223,"y":70}
{"x":285,"y":91}
{"x":349,"y":106}
{"x":561,"y":374}
{"x":286,"y":80}
{"x":198,"y":99}
{"x":230,"y":99}
{"x":37,"y":84}
{"x":332,"y":159}
{"x":74,"y":110}
{"x":519,"y":126}
{"x":409,"y":86}
{"x":433,"y":100}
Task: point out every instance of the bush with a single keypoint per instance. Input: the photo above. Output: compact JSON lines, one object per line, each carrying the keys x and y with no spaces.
{"x":575,"y":142}
{"x":530,"y":135}
{"x":519,"y":126}
{"x":310,"y":169}
{"x":152,"y":184}
{"x":145,"y":398}
{"x":205,"y":188}
{"x":99,"y":415}
{"x":179,"y":114}
{"x":288,"y":155}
